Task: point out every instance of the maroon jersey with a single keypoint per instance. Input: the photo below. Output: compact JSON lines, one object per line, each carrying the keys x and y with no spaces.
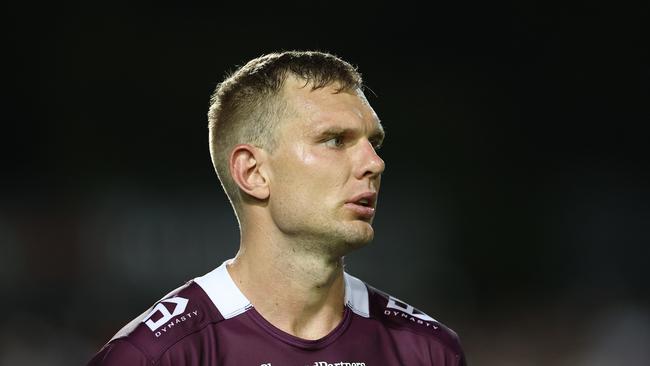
{"x":208,"y":321}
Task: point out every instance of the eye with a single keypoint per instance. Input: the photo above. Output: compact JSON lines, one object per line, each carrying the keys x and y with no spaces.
{"x":335,"y":141}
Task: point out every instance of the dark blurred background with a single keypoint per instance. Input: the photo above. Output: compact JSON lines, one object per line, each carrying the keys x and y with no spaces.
{"x":515,"y":207}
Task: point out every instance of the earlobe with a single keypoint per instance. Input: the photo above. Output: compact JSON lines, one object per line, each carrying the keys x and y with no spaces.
{"x":245,"y":163}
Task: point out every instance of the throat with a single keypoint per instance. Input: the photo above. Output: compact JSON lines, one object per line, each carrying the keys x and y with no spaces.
{"x":302,"y":297}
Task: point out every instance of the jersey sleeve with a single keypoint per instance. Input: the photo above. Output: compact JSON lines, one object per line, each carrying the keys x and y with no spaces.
{"x":119,"y":353}
{"x":447,"y":356}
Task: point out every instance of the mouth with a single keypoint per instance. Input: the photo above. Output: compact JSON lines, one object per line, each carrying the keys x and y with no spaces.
{"x":367,"y":199}
{"x":363,"y":205}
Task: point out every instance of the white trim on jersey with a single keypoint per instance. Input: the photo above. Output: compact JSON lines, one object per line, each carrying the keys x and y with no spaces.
{"x":230,"y":301}
{"x":356,"y":295}
{"x":223,"y":292}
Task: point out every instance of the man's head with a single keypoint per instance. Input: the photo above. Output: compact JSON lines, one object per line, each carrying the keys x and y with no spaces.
{"x":247,"y":106}
{"x":293,"y":132}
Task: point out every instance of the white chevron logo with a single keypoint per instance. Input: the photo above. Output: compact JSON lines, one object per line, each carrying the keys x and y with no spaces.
{"x":179,"y":308}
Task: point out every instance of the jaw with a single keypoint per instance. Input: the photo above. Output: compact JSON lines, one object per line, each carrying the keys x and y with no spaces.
{"x":339,"y":240}
{"x":357,"y":234}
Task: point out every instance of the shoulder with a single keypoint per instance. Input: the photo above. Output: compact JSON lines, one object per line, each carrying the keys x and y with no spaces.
{"x":404,"y":320}
{"x":182,"y":312}
{"x":180,"y":325}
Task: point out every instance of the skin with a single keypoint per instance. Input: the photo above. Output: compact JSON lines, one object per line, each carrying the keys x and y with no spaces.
{"x":297,"y":222}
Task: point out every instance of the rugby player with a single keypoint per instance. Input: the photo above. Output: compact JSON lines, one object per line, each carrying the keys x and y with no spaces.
{"x":294,"y":143}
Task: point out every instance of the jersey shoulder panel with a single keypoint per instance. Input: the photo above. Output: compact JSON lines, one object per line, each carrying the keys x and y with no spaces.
{"x":182,"y":312}
{"x":396,"y":314}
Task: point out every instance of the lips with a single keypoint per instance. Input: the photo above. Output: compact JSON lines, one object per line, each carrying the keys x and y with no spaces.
{"x":363,"y":205}
{"x":366,"y":199}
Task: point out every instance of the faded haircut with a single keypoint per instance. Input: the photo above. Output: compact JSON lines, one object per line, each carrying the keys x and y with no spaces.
{"x":248,"y":105}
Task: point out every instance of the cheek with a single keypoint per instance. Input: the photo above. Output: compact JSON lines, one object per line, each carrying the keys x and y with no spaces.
{"x":326,"y":170}
{"x":306,"y":157}
{"x":305,"y":171}
{"x":322,"y":162}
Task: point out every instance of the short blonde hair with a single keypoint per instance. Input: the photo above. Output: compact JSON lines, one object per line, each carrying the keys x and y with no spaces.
{"x":248,"y":105}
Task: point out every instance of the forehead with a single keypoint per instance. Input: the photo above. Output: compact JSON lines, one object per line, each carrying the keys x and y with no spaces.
{"x":325,"y":106}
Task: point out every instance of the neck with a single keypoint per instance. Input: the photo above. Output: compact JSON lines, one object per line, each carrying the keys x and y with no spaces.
{"x":298,"y":291}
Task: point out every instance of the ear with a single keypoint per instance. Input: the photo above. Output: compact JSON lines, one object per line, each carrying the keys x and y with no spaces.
{"x":245,"y":163}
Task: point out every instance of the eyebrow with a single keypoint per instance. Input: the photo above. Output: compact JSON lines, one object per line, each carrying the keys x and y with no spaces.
{"x":376,"y":136}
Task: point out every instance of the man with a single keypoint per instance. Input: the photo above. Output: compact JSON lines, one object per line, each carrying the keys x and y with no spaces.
{"x":293,"y":140}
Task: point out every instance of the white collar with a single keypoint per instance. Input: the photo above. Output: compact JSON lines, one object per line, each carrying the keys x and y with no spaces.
{"x":230,"y":301}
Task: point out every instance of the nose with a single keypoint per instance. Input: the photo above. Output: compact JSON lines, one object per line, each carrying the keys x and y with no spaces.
{"x":370,"y":164}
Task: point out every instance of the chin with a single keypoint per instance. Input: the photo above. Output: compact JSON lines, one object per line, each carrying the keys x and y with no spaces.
{"x":348,"y":237}
{"x":360,"y":236}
